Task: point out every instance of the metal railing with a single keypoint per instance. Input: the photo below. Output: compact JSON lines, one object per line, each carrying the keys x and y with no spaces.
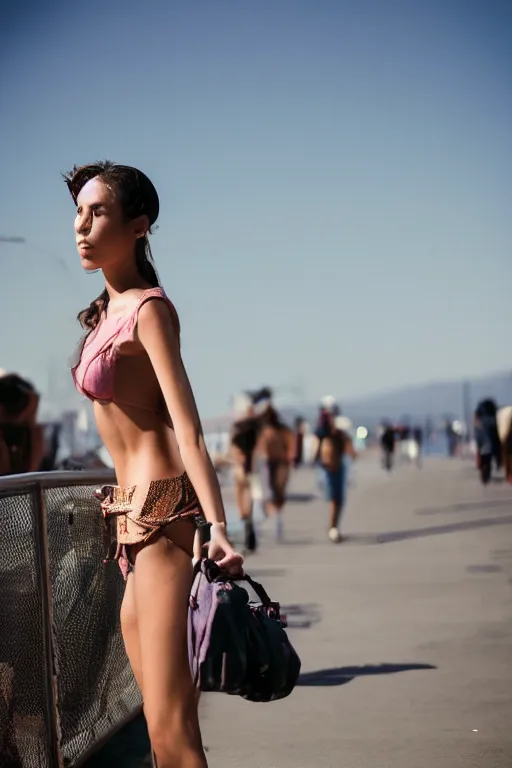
{"x":65,"y":681}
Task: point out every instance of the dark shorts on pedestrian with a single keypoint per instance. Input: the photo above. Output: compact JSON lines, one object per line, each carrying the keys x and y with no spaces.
{"x":334,"y":481}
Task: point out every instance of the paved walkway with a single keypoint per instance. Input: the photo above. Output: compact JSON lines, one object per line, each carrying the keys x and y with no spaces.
{"x":405,"y":631}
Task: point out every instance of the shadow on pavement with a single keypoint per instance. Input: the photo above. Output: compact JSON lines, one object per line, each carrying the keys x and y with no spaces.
{"x":301,"y":498}
{"x":435,"y":530}
{"x":484,"y":569}
{"x":342,"y":675}
{"x":502,"y":554}
{"x":467,"y":506}
{"x":267,"y":573}
{"x":301,"y":616}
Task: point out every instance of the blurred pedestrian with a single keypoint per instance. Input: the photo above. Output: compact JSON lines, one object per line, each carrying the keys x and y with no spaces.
{"x":21,"y":437}
{"x":487,"y":438}
{"x":243,"y":440}
{"x":331,"y":445}
{"x":388,"y":442}
{"x":504,"y":424}
{"x":418,"y":439}
{"x":275,"y":449}
{"x":298,"y":457}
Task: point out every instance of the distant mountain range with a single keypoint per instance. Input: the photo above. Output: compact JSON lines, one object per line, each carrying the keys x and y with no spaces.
{"x":437,"y":400}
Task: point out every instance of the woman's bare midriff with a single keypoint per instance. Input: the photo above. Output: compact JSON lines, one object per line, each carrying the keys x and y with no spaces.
{"x":142,"y":444}
{"x":139,"y":437}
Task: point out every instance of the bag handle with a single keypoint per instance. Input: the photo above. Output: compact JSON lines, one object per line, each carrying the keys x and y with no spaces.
{"x":258,"y":588}
{"x":213,"y":573}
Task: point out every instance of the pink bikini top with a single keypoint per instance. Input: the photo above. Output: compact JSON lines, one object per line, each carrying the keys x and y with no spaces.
{"x":94,"y":375}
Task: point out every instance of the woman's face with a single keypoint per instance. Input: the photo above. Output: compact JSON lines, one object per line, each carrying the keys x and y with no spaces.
{"x":104,"y":237}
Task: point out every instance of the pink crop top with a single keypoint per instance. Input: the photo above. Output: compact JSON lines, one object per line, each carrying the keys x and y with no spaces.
{"x":94,"y":375}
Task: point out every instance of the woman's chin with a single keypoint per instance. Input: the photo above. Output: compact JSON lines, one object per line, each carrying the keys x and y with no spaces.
{"x":88,"y":265}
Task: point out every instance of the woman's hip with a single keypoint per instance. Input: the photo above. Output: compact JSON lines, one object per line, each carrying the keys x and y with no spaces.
{"x":138,"y":514}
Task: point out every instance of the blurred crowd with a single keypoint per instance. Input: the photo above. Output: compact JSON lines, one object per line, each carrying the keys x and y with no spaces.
{"x":264,"y":450}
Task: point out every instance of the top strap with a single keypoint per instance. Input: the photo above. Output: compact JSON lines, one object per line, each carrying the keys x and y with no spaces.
{"x":148,"y":295}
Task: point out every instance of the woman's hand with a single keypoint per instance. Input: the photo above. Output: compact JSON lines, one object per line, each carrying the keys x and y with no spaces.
{"x":221,"y":551}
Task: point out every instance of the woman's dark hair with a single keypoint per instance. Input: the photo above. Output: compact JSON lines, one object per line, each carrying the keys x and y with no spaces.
{"x":15,"y":393}
{"x":487,"y":408}
{"x":271,"y":418}
{"x":138,"y":197}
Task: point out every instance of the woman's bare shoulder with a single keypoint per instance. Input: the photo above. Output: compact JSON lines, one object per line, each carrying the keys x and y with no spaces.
{"x":154,"y":312}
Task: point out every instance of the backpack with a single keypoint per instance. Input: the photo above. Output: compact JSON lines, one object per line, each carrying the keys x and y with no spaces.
{"x":236,"y":638}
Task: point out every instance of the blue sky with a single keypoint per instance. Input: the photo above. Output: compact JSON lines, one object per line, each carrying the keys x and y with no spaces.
{"x":335,"y":181}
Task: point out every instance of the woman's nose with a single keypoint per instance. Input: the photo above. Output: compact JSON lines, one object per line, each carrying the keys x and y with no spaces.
{"x":82,"y":224}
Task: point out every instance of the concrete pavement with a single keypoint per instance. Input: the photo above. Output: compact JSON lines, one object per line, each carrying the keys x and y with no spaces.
{"x":405,"y":630}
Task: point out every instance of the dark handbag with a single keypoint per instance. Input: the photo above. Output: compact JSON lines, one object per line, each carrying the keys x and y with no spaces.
{"x":236,"y":638}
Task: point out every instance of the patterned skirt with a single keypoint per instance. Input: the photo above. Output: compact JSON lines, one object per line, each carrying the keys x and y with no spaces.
{"x":136,"y":515}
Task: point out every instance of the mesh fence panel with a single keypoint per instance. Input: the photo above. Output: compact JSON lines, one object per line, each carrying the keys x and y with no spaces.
{"x":96,"y":688}
{"x":23,"y":727}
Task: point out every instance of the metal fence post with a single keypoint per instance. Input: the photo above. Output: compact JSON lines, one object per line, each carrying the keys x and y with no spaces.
{"x":43,"y":577}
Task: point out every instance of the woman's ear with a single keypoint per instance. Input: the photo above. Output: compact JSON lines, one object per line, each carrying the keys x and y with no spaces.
{"x":140,"y":226}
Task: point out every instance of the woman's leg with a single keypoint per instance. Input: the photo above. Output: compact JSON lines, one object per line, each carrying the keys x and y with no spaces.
{"x":244,"y":505}
{"x":162,"y":581}
{"x":281,"y":483}
{"x":279,"y":479}
{"x":130,"y":630}
{"x":268,"y":478}
{"x":333,"y":488}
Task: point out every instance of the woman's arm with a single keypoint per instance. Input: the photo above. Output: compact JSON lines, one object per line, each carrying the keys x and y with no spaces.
{"x":349,"y":447}
{"x":315,"y":448}
{"x":290,"y":444}
{"x":159,"y":337}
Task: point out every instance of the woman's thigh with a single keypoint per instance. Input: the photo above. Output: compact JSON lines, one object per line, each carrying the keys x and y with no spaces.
{"x":162,"y":581}
{"x":281,"y":480}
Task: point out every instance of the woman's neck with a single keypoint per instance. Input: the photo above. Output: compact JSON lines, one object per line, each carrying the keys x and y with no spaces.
{"x":118,"y":283}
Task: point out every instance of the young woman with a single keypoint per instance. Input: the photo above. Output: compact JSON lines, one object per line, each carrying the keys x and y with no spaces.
{"x":243,"y":441}
{"x":130,"y":366}
{"x":275,"y":449}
